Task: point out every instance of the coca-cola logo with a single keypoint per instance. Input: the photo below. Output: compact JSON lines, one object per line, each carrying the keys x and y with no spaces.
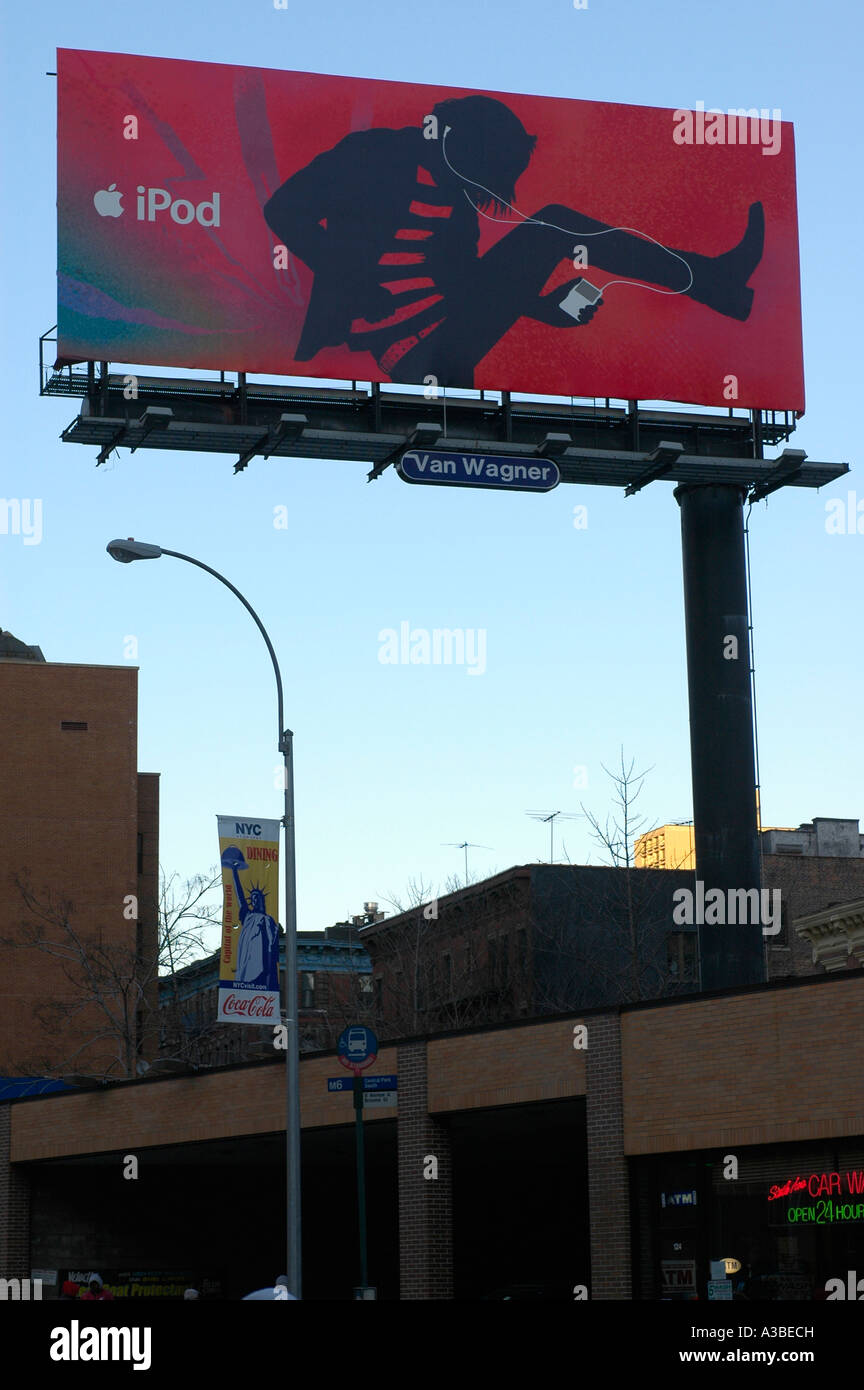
{"x":251,"y":1005}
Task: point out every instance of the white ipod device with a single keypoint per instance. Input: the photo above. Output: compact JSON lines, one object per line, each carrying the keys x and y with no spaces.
{"x":582,"y":295}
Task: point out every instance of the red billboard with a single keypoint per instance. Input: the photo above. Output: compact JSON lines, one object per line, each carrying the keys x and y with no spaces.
{"x":295,"y":224}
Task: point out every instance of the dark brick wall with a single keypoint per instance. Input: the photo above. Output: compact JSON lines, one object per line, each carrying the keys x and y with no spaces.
{"x":572,"y":937}
{"x":488,"y":976}
{"x":425,"y":1204}
{"x":147,"y":854}
{"x":608,"y":1179}
{"x":600,"y":935}
{"x":14,"y":1209}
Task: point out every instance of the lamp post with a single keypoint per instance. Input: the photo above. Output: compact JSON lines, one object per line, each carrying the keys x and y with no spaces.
{"x":125,"y":552}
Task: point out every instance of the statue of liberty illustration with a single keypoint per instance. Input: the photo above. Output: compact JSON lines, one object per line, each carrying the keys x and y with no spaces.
{"x":258,"y":952}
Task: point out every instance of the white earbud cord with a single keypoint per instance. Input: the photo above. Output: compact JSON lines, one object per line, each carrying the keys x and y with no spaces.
{"x":539,"y":223}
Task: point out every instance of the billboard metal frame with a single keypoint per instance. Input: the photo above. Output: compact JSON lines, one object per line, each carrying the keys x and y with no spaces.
{"x":593,"y":442}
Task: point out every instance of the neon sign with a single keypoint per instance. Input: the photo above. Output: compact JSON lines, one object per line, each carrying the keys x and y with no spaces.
{"x":820,"y":1185}
{"x":826,"y":1213}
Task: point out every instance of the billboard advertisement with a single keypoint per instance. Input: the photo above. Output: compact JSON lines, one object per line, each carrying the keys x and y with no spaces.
{"x":290,"y":223}
{"x":249,"y":958}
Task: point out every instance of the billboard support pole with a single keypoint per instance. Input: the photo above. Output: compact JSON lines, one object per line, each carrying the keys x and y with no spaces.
{"x":633,"y":416}
{"x":721,"y":730}
{"x":507,"y":414}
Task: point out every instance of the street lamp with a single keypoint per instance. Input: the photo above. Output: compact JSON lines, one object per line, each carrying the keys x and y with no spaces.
{"x":125,"y":552}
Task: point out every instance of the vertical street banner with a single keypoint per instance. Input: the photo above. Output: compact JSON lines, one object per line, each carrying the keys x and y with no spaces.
{"x":249,"y":960}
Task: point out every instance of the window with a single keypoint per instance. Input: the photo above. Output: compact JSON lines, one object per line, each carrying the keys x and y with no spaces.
{"x":470,"y":963}
{"x":307,"y":990}
{"x":504,"y":959}
{"x":365,"y":984}
{"x":782,"y":937}
{"x":681,"y":956}
{"x":520,"y":956}
{"x":448,"y":976}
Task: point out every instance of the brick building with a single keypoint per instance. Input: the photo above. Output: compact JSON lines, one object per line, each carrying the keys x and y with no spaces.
{"x":673,"y":847}
{"x":541,"y":938}
{"x":824,"y":836}
{"x":564,"y":1160}
{"x":79,"y":828}
{"x":334,"y":988}
{"x":533,"y":940}
{"x":577,"y":1144}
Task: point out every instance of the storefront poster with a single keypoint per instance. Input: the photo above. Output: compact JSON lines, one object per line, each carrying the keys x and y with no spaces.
{"x":151,"y":1283}
{"x":679,"y":1278}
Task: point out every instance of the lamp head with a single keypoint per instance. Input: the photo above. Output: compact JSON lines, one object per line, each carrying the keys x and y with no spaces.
{"x":129,"y":550}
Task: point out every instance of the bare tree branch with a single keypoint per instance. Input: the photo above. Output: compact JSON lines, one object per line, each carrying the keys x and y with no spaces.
{"x":115,"y":983}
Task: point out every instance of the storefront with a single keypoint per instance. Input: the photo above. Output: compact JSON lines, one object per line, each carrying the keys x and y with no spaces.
{"x":784,"y":1222}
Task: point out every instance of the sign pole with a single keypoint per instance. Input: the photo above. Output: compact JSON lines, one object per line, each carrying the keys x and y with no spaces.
{"x":361,"y":1176}
{"x":357,"y":1050}
{"x":125,"y":552}
{"x":292,"y":1051}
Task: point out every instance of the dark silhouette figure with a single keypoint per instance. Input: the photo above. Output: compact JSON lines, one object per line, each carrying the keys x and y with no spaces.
{"x":388,"y":220}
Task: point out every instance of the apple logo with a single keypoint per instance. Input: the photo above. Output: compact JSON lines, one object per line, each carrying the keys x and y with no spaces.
{"x":107,"y":202}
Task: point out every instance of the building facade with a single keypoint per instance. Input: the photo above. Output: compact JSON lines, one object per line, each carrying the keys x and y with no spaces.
{"x":334,"y":988}
{"x":632,"y":1152}
{"x":79,"y":833}
{"x":824,"y":836}
{"x":672,"y":846}
{"x":539,"y":939}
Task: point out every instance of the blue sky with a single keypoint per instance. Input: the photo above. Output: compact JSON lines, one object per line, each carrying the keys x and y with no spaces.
{"x":584,"y":628}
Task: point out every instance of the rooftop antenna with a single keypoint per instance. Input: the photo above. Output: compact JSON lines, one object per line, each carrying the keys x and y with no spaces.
{"x":550,"y":816}
{"x":466,"y":845}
